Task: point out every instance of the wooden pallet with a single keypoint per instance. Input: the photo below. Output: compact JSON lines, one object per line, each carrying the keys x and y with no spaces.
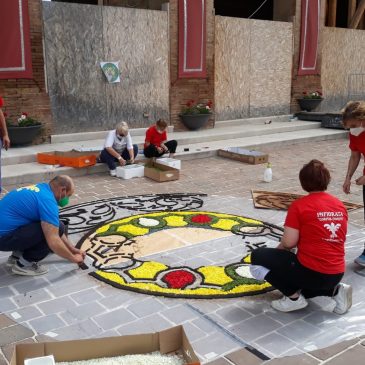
{"x":281,"y":201}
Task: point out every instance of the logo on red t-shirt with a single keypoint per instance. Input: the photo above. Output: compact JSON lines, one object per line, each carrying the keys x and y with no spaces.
{"x":333,"y":228}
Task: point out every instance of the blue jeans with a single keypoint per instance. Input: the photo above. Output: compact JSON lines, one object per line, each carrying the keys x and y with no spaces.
{"x":30,"y":240}
{"x":111,"y":161}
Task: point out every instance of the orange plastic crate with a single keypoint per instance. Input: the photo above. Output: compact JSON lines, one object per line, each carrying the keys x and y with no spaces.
{"x":68,"y":158}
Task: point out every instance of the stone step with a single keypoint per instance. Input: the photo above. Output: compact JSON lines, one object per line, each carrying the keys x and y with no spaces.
{"x":86,"y":136}
{"x":24,"y":173}
{"x":223,"y":132}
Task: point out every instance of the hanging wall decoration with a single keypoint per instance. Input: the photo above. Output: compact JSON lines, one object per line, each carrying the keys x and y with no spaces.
{"x":111,"y":71}
{"x":192,"y":39}
{"x":15,"y":50}
{"x":309,"y":37}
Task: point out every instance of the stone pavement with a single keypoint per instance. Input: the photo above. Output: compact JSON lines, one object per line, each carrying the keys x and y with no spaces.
{"x":68,"y":304}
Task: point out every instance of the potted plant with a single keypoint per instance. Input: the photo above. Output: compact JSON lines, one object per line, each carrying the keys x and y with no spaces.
{"x":310,"y":100}
{"x":196,"y":115}
{"x":23,"y":130}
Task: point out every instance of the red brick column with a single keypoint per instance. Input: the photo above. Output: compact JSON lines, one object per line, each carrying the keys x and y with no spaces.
{"x":307,"y":82}
{"x":182,"y":90}
{"x":29,"y":95}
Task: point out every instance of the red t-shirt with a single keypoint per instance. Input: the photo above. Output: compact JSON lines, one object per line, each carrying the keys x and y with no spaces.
{"x":1,"y":102}
{"x":322,"y":223}
{"x":154,"y":137}
{"x":357,"y":143}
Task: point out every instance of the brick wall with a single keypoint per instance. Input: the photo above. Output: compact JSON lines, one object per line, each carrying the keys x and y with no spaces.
{"x":307,"y":82}
{"x":182,"y":90}
{"x":29,"y":95}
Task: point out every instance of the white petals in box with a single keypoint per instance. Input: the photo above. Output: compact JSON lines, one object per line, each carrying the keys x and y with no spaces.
{"x":42,"y":360}
{"x":129,"y":171}
{"x":172,"y":162}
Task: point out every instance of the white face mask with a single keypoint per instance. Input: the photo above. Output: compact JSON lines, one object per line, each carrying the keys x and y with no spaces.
{"x":357,"y":131}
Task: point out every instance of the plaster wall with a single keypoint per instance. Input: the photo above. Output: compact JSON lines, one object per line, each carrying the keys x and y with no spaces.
{"x":81,"y":98}
{"x":253,"y":65}
{"x":343,"y":67}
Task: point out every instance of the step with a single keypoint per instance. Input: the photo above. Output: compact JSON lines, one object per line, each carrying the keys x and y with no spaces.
{"x":23,"y":173}
{"x":86,"y":136}
{"x":29,"y":154}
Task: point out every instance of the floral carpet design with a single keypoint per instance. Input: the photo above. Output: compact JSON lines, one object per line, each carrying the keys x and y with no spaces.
{"x":119,"y":252}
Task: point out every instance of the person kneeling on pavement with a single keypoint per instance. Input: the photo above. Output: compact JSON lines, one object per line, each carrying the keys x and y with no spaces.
{"x":118,"y":148}
{"x":31,"y":228}
{"x":316,"y":226}
{"x":156,"y":143}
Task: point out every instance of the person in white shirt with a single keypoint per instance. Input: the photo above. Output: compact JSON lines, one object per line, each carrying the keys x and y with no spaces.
{"x":118,"y":148}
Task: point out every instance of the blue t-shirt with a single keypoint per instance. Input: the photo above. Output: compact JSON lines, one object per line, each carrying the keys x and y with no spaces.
{"x":26,"y":205}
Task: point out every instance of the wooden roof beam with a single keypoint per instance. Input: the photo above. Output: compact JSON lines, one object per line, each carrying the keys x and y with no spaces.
{"x":332,"y":13}
{"x":351,"y":11}
{"x":357,"y":16}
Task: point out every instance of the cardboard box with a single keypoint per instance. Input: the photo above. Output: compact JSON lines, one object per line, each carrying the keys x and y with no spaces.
{"x":161,"y":173}
{"x":240,"y":154}
{"x":68,"y":158}
{"x":129,"y":171}
{"x":172,"y":340}
{"x":172,"y":162}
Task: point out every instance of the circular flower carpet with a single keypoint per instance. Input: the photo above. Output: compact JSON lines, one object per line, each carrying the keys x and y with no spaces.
{"x":176,"y":253}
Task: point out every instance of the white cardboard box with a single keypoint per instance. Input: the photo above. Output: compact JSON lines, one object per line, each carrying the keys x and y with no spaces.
{"x":172,"y":162}
{"x":129,"y":171}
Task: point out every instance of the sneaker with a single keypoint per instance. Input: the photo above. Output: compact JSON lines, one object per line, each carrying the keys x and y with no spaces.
{"x":287,"y":305}
{"x":113,"y":173}
{"x":360,"y":260}
{"x":343,"y":298}
{"x":11,"y":261}
{"x":32,"y":270}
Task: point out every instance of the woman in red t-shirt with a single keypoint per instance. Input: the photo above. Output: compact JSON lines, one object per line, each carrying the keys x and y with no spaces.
{"x":156,"y":143}
{"x":4,"y":137}
{"x":353,"y":117}
{"x":316,"y":226}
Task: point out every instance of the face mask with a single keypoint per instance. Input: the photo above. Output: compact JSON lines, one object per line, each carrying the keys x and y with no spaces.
{"x":356,"y":131}
{"x":64,"y":201}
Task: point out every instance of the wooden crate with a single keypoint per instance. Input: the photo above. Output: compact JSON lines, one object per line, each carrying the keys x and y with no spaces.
{"x":240,"y":154}
{"x":68,"y":158}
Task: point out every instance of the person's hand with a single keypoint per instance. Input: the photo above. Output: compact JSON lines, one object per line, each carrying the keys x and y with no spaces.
{"x":78,"y":258}
{"x":360,"y":180}
{"x":122,"y":162}
{"x":131,"y":161}
{"x":346,"y":186}
{"x":165,"y":148}
{"x":159,"y":149}
{"x":76,"y":251}
{"x":6,"y":142}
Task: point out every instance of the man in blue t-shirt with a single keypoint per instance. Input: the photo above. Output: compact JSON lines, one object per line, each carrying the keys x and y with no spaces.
{"x":31,"y":228}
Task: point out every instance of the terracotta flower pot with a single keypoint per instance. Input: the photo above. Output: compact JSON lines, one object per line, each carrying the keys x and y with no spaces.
{"x":195,"y":121}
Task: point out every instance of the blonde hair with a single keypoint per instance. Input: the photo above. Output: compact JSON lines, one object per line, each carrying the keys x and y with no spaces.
{"x":122,"y":128}
{"x":353,"y":110}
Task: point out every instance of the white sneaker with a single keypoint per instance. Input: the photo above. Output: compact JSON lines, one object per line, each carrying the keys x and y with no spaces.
{"x":113,"y":173}
{"x":343,"y":299}
{"x":32,"y":270}
{"x":287,"y":305}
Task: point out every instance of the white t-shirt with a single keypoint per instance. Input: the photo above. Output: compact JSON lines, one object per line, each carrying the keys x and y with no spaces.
{"x":118,"y":143}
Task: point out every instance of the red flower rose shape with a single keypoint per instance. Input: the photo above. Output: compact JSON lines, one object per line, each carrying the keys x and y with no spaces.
{"x":178,"y":279}
{"x":201,"y":219}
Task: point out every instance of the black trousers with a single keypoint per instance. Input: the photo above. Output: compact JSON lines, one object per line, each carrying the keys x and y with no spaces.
{"x":288,"y":275}
{"x":30,"y":240}
{"x":151,"y":150}
{"x":112,"y":162}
